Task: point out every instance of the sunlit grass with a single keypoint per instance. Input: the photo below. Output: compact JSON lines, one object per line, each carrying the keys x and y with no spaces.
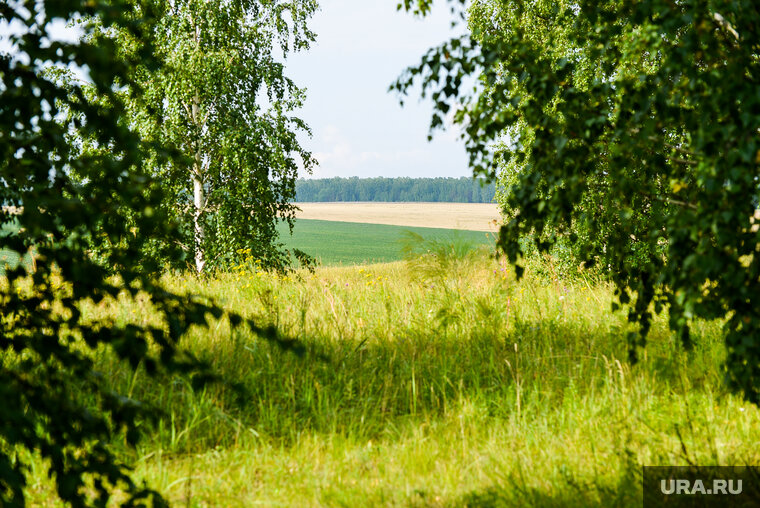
{"x":435,"y":382}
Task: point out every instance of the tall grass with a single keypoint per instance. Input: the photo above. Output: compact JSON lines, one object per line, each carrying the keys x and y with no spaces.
{"x":440,"y":381}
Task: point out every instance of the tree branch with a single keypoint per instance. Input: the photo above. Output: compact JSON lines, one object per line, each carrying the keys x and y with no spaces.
{"x":684,"y":161}
{"x":187,"y":109}
{"x":725,"y":25}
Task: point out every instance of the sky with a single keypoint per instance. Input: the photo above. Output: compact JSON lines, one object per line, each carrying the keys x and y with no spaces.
{"x":359,"y":128}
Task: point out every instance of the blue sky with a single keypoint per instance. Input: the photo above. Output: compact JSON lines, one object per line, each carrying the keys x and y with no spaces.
{"x":359,"y":128}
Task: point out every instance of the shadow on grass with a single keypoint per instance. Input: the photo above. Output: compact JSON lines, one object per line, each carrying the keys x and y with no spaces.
{"x":374,"y":389}
{"x":534,"y":498}
{"x":567,"y":492}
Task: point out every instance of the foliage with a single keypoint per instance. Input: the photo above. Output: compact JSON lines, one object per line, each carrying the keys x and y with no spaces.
{"x":452,"y":190}
{"x":631,"y":127}
{"x":221,"y":96}
{"x":60,"y":202}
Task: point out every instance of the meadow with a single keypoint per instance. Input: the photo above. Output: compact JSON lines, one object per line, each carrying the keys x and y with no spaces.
{"x":7,"y":256}
{"x":440,"y":380}
{"x":348,"y":243}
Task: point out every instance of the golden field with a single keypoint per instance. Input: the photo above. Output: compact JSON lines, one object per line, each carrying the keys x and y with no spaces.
{"x":468,"y":216}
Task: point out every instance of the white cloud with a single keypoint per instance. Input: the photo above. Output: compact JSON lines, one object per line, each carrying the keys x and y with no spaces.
{"x":342,"y":158}
{"x":350,"y":27}
{"x":360,"y":128}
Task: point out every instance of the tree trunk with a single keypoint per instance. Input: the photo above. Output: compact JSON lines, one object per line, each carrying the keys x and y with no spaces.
{"x":199,"y":198}
{"x":200,"y":260}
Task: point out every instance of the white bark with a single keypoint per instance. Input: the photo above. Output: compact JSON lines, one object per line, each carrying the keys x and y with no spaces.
{"x":726,"y":25}
{"x":199,"y":198}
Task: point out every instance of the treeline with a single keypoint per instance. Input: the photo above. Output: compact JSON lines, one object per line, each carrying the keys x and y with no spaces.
{"x":453,"y":190}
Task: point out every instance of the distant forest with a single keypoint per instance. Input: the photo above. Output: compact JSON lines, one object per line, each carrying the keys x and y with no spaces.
{"x":452,"y":190}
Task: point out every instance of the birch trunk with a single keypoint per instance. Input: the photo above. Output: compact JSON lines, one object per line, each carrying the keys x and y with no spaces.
{"x":199,"y":198}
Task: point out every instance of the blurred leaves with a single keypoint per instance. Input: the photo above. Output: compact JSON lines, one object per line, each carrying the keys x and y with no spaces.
{"x":632,"y":127}
{"x":78,"y":196}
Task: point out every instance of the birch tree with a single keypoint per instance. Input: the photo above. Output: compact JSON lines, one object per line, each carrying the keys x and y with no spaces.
{"x":634,"y":129}
{"x":221,"y":97}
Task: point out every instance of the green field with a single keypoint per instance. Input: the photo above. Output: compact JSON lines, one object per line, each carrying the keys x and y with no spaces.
{"x":348,"y":243}
{"x":438,"y":381}
{"x":441,"y":381}
{"x":352,"y":243}
{"x":8,"y":257}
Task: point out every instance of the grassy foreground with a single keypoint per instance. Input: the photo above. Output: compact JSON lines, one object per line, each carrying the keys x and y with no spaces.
{"x":440,"y":382}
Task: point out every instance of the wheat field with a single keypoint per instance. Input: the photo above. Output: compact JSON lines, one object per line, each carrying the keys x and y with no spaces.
{"x":467,"y":216}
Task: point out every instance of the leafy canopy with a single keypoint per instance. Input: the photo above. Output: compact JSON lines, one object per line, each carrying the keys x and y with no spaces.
{"x":631,"y":130}
{"x":221,"y":97}
{"x":76,"y":193}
